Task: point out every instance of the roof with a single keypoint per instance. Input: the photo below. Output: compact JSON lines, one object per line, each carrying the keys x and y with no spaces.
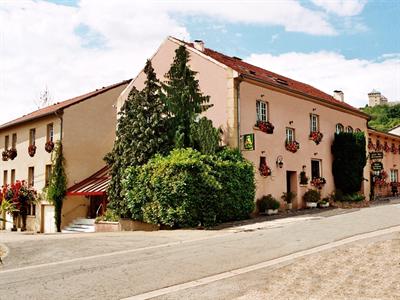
{"x":253,"y":72}
{"x":95,"y":185}
{"x":387,"y":134}
{"x":51,"y":109}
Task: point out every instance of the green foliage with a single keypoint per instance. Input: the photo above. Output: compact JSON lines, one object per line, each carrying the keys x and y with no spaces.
{"x":383,"y":117}
{"x":354,"y":197}
{"x":141,"y":133}
{"x":267,"y":202}
{"x":204,"y":137}
{"x":187,"y":188}
{"x":349,"y":154}
{"x":312,"y":196}
{"x":58,"y":184}
{"x":109,"y":216}
{"x":288,"y":197}
{"x":184,"y":99}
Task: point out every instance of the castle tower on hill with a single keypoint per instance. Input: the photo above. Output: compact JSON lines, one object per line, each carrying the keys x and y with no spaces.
{"x":376,"y":98}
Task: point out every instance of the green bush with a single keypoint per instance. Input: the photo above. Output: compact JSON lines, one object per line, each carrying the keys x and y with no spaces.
{"x":288,"y":197}
{"x":312,"y":196}
{"x":109,"y":216}
{"x":187,"y":188}
{"x":353,"y":197}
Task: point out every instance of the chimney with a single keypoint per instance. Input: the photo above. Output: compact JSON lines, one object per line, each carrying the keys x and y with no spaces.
{"x":199,"y":45}
{"x":338,"y":95}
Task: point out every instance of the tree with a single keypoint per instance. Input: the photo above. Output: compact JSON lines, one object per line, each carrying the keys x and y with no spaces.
{"x":141,"y":133}
{"x":58,"y":184}
{"x":383,"y":117}
{"x":204,"y":137}
{"x":184,"y":100}
{"x":349,"y":160}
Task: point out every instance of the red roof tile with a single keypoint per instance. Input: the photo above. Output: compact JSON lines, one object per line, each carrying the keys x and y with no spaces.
{"x":258,"y":73}
{"x":60,"y":105}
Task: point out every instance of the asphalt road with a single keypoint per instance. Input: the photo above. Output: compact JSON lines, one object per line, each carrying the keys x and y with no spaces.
{"x":122,"y":265}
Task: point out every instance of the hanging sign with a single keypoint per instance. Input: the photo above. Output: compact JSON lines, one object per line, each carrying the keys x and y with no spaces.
{"x":248,"y":141}
{"x":376,"y":155}
{"x":377,"y":166}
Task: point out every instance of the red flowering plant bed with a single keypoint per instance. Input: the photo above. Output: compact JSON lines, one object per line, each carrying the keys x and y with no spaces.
{"x":394,"y":149}
{"x":318,"y":182}
{"x":371,"y":145}
{"x":21,"y":196}
{"x":292,"y":146}
{"x":31,"y":150}
{"x":265,"y":170}
{"x":316,"y":136}
{"x":49,"y":146}
{"x":4,"y":155}
{"x":386,"y":147}
{"x":265,"y":126}
{"x":378,"y":146}
{"x":380,"y":180}
{"x":12,"y":153}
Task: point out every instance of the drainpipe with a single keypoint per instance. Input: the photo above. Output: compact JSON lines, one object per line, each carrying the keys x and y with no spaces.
{"x":239,"y":80}
{"x":59,"y":113}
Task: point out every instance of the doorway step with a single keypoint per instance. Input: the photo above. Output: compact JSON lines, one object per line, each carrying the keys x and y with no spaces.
{"x":80,"y":225}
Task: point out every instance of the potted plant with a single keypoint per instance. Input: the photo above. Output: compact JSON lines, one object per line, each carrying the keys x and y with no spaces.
{"x":12,"y":153}
{"x":4,"y":155}
{"x":318,"y":182}
{"x":49,"y":146}
{"x":292,"y":146}
{"x":268,"y":204}
{"x":265,"y":170}
{"x":324,"y":202}
{"x":109,"y":222}
{"x":31,"y":150}
{"x":311,"y":197}
{"x":316,"y":136}
{"x":288,"y":198}
{"x":265,"y":126}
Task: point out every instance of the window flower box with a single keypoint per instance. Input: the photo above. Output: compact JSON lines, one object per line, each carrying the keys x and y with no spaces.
{"x":12,"y":153}
{"x":265,"y":126}
{"x":318,"y":182}
{"x":386,"y":147}
{"x":292,"y":146}
{"x":31,"y":150}
{"x":316,"y":136}
{"x":49,"y":146}
{"x":4,"y":155}
{"x":394,"y":149}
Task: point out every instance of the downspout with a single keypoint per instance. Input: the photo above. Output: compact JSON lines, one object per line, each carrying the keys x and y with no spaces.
{"x":59,"y":113}
{"x":239,"y":80}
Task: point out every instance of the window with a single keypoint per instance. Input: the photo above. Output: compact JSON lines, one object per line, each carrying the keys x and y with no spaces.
{"x":50,"y":132}
{"x":314,"y":123}
{"x":5,"y":175}
{"x":394,"y":175}
{"x":48,"y":174}
{"x":358,"y":130}
{"x":14,"y":141}
{"x":262,"y":111}
{"x":12,"y":176}
{"x":290,"y":135}
{"x":32,"y":210}
{"x":32,"y":136}
{"x":31,"y":176}
{"x":315,"y":168}
{"x":349,"y":129}
{"x":6,"y":142}
{"x":339,"y":128}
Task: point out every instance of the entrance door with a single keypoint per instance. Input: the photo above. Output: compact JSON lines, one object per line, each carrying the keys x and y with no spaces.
{"x":48,"y":219}
{"x":97,"y":206}
{"x":291,"y":185}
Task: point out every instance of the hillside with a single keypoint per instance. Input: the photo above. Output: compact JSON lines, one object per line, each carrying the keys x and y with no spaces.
{"x":384,"y":117}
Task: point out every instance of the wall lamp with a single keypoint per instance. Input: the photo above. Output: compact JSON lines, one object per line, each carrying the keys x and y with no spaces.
{"x":279,"y":161}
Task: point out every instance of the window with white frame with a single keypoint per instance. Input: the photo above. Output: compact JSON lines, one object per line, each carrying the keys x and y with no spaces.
{"x":50,"y":132}
{"x":262,"y":110}
{"x":315,"y":168}
{"x":314,"y":123}
{"x":290,"y":135}
{"x":394,"y":175}
{"x":339,"y":128}
{"x":32,"y":137}
{"x":349,"y":129}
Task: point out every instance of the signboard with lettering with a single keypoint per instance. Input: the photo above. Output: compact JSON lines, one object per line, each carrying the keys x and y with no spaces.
{"x":376,"y":155}
{"x":377,"y":166}
{"x":248,"y":141}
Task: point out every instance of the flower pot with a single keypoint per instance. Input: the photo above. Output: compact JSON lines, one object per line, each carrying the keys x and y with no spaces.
{"x":324,"y":205}
{"x":311,"y":204}
{"x":289,"y":205}
{"x":272,"y":212}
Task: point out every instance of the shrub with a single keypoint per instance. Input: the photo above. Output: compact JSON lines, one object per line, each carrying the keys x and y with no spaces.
{"x":311,"y":196}
{"x":288,"y":197}
{"x":109,"y":216}
{"x":353,"y":197}
{"x":267,"y":202}
{"x":187,"y":188}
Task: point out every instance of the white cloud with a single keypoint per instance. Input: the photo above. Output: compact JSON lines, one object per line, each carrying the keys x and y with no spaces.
{"x":342,"y":7}
{"x":329,"y":71}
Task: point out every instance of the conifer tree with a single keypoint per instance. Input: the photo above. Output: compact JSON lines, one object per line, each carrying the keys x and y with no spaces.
{"x":184,"y":99}
{"x":141,"y":133}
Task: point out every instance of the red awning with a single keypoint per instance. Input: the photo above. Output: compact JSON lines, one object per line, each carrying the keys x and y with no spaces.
{"x":95,"y":185}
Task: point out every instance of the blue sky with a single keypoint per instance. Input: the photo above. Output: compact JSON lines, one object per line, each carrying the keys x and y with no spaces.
{"x":72,"y":47}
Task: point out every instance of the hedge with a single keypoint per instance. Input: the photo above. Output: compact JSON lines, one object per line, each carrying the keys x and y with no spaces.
{"x":187,"y":189}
